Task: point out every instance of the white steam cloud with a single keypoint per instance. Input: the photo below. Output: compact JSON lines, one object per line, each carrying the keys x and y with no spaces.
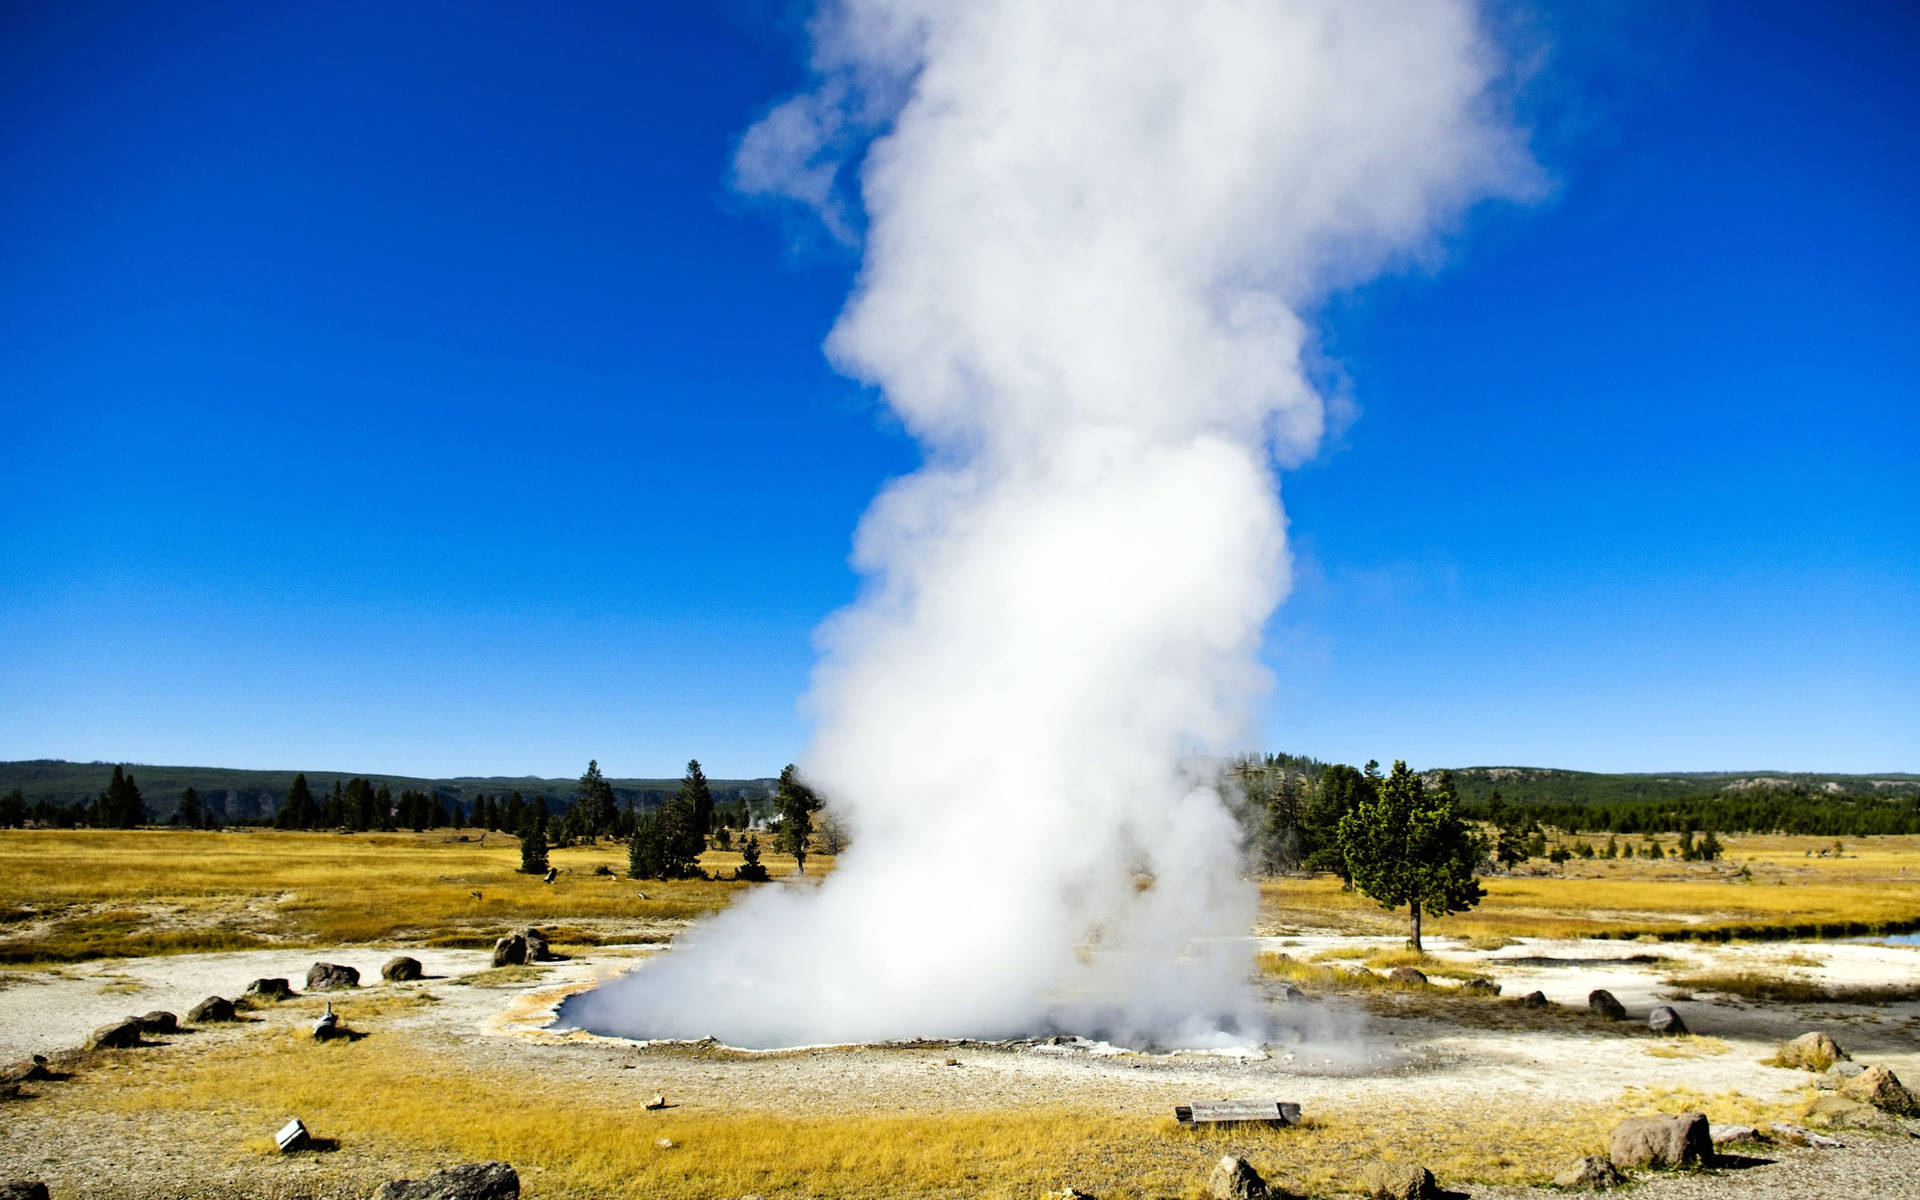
{"x":1090,"y":230}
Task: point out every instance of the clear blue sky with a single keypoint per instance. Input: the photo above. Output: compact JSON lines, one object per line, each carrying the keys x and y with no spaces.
{"x":398,"y":388}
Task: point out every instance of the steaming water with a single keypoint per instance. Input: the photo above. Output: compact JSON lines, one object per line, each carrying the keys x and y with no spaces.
{"x":1088,"y":238}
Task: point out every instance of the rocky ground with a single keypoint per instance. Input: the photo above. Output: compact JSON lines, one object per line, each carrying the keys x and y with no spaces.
{"x":1337,"y":1054}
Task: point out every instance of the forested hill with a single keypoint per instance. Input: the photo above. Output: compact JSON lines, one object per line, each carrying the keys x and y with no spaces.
{"x":239,"y":795}
{"x":1546,"y":786}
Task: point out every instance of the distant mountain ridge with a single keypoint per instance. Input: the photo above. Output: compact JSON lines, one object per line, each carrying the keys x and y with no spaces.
{"x":243,"y":795}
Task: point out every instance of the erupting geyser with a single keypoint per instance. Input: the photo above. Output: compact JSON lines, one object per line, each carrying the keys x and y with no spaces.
{"x":1089,"y":231}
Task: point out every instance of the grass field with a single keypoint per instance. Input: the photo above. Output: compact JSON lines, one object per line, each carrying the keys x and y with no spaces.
{"x":70,"y":895}
{"x":1874,"y":885}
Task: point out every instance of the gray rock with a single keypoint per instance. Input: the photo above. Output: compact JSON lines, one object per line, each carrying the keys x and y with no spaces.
{"x":1290,"y":992}
{"x":1882,"y":1089}
{"x":271,"y":990}
{"x":1399,"y":1181}
{"x":1234,"y":1178}
{"x":510,"y":951}
{"x":118,"y":1036}
{"x":1534,"y":1000}
{"x":401,"y":970}
{"x":1407,"y":975}
{"x":212,"y":1010}
{"x":158,"y":1021}
{"x":1601,"y":1003}
{"x":537,"y":950}
{"x":1724,"y":1135}
{"x":1665,"y":1019}
{"x":469,"y":1181}
{"x":1480,"y":987}
{"x":331,"y":977}
{"x":1661,"y":1142}
{"x":1589,"y":1173}
{"x":23,"y":1189}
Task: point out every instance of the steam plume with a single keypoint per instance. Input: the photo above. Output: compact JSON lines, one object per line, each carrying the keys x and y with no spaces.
{"x":1090,"y":232}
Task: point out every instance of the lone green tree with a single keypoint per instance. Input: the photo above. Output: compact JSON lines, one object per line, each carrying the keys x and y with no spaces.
{"x":533,"y":842}
{"x":699,"y":799}
{"x":594,"y":812}
{"x":1405,"y":846}
{"x":751,"y":869}
{"x":797,"y":803}
{"x":190,"y":815}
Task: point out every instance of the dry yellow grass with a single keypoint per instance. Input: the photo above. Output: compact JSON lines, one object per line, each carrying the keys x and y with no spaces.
{"x":1877,"y":883}
{"x":578,"y":1137}
{"x":106,"y":893}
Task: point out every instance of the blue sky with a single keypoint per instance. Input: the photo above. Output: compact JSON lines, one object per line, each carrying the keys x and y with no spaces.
{"x":399,"y":388}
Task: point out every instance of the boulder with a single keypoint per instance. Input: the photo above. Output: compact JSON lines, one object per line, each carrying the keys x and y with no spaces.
{"x":1589,"y":1173}
{"x":1534,"y":1000}
{"x":1664,"y":1019}
{"x":27,"y":1070}
{"x":1725,"y":1135}
{"x":330,"y":977}
{"x":401,"y":970}
{"x":1233,"y":1178}
{"x":537,"y":950}
{"x":1399,"y":1181}
{"x":212,"y":1010}
{"x":1290,"y":992}
{"x":271,"y":990}
{"x":1407,"y":975}
{"x":1882,"y":1089}
{"x":469,"y":1181}
{"x":23,"y":1189}
{"x":510,"y":951}
{"x":1661,"y":1142}
{"x":118,"y":1036}
{"x":1480,"y":987}
{"x":158,"y":1022}
{"x":1806,"y":1137}
{"x":1601,"y":1003}
{"x":1813,"y":1051}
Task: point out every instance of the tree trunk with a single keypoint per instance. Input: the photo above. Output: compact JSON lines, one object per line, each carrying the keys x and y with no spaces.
{"x":1414,"y":910}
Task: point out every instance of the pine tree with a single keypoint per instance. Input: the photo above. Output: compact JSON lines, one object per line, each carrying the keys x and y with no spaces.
{"x":299,"y":810}
{"x":751,"y":869}
{"x":797,"y":804}
{"x":594,"y":803}
{"x":1710,"y":848}
{"x":1340,"y":791}
{"x":1407,"y":847}
{"x":190,"y":815}
{"x":694,"y":789}
{"x":533,"y":843}
{"x":646,"y":848}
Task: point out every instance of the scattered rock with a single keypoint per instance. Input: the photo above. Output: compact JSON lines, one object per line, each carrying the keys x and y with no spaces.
{"x":1724,"y":1135}
{"x":293,"y":1136}
{"x":23,"y":1189}
{"x":1480,"y":987}
{"x":537,"y":950}
{"x":1399,"y":1181}
{"x":665,"y":1143}
{"x":953,"y":1062}
{"x":1534,"y":1000}
{"x":1233,"y":1178}
{"x":1661,"y":1142}
{"x":1810,"y":1052}
{"x":1359,"y":973}
{"x":27,"y":1070}
{"x":401,"y":970}
{"x":469,"y":1181}
{"x":158,"y":1022}
{"x":271,"y":991}
{"x":329,"y":977}
{"x":1665,"y":1019}
{"x":1805,"y":1136}
{"x":1601,"y":1003}
{"x":212,"y":1011}
{"x":118,"y":1036}
{"x":1882,"y":1089}
{"x":1290,"y":992}
{"x":1589,"y":1173}
{"x":510,"y":951}
{"x":1411,"y":975}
